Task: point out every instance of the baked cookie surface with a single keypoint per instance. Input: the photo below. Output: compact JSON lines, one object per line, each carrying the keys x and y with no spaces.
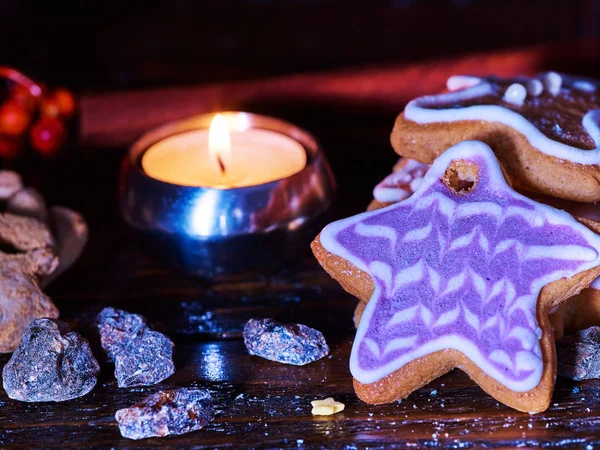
{"x":545,"y":130}
{"x":461,"y":274}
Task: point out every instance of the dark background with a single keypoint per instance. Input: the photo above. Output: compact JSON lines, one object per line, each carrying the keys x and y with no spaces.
{"x":124,"y":44}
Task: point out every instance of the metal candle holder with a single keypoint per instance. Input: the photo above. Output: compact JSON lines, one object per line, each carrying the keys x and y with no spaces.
{"x":211,"y":232}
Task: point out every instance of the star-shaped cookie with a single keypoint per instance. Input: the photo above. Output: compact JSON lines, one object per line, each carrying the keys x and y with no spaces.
{"x":544,"y":129}
{"x":461,"y":274}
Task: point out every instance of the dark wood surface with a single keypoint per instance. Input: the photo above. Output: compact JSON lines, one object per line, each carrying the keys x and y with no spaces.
{"x":261,"y":403}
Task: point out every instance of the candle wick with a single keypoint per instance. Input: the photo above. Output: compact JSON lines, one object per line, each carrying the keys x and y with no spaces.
{"x":221,"y":165}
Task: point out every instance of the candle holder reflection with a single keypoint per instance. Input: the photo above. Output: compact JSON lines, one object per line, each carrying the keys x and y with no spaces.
{"x":211,"y":231}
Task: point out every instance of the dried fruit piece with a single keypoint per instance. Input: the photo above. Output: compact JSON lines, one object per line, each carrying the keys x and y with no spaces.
{"x":326,"y":407}
{"x":176,"y":411}
{"x":142,"y":357}
{"x":294,"y":344}
{"x":578,"y":354}
{"x":52,"y":364}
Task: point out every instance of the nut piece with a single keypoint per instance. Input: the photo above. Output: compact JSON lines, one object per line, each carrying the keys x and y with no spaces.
{"x":52,"y":364}
{"x":177,"y":411}
{"x":326,"y":407}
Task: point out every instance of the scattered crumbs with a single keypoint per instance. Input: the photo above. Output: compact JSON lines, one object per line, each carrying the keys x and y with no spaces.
{"x":445,"y":434}
{"x":434,"y":436}
{"x":589,"y":447}
{"x":442,"y":404}
{"x":443,"y":384}
{"x":557,"y":128}
{"x":399,"y":401}
{"x":575,"y":390}
{"x":299,"y":441}
{"x":588,"y":410}
{"x":530,"y":425}
{"x":414,"y":406}
{"x":555,"y":404}
{"x":296,"y":397}
{"x":393,"y":423}
{"x":370,"y":414}
{"x":239,"y":396}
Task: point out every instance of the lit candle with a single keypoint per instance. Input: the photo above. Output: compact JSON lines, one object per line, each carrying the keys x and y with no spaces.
{"x":225,"y":156}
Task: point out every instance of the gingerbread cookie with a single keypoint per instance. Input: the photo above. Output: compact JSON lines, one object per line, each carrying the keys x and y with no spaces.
{"x":544,"y":130}
{"x":461,"y":274}
{"x":577,"y":313}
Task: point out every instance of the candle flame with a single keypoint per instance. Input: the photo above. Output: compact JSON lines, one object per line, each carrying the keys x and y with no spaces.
{"x":219,"y":141}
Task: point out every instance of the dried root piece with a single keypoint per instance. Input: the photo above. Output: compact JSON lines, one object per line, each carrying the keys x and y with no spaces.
{"x":142,"y":357}
{"x":52,"y":364}
{"x":167,"y":412}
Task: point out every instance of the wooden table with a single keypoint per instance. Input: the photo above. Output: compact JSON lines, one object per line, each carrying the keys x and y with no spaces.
{"x":261,"y":403}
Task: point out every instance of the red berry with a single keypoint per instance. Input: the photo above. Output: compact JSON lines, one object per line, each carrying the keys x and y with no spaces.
{"x":13,"y":119}
{"x":9,"y":148}
{"x":21,"y":95}
{"x":47,"y":135}
{"x":65,"y":101}
{"x":49,"y":107}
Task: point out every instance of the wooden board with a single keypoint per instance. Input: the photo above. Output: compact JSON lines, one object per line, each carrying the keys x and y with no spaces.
{"x":261,"y":403}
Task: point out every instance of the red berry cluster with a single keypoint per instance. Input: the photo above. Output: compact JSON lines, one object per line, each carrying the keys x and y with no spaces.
{"x":30,"y":111}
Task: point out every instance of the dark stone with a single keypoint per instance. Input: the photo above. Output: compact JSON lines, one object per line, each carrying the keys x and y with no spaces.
{"x":51,"y":364}
{"x":289,"y":344}
{"x":175,"y":411}
{"x":579,"y":354}
{"x":142,"y":357}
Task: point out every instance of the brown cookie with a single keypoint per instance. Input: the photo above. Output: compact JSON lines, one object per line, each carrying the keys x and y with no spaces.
{"x":462,"y":274}
{"x":544,"y":130}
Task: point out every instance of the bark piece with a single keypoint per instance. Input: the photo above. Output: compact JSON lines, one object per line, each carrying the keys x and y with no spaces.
{"x":176,"y":411}
{"x":52,"y":364}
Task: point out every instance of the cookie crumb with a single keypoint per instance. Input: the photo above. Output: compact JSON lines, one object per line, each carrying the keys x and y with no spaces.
{"x":515,"y":94}
{"x":326,"y":407}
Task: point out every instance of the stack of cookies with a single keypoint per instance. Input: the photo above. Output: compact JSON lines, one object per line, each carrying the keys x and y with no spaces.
{"x":475,"y":251}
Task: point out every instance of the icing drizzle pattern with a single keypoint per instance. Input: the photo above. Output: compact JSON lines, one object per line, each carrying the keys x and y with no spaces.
{"x":401,"y":183}
{"x":560,"y":116}
{"x":459,"y":271}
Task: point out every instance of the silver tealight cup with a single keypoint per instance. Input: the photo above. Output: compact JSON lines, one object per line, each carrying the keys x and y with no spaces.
{"x":212,"y":232}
